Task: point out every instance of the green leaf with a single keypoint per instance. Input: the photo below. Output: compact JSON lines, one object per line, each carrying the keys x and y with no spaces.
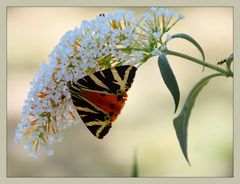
{"x":181,"y":121}
{"x":193,"y":41}
{"x":135,"y":166}
{"x":229,"y":61}
{"x":169,"y":78}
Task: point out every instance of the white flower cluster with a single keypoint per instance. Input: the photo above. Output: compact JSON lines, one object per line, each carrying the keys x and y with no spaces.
{"x":154,"y":26}
{"x":94,"y":45}
{"x":106,"y":41}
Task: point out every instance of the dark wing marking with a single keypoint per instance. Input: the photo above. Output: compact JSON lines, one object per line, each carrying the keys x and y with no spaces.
{"x":110,"y":80}
{"x":113,"y":81}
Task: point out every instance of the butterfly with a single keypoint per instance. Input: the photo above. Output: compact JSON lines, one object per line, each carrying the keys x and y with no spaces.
{"x":99,"y":97}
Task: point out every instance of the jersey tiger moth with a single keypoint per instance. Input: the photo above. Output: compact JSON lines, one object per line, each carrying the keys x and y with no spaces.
{"x":99,"y":97}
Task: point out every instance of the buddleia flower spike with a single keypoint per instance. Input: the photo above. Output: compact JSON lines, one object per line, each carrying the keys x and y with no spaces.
{"x":92,"y":47}
{"x":88,"y":74}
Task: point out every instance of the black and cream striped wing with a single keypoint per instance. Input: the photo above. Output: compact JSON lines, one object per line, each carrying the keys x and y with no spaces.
{"x":113,"y":80}
{"x":99,"y":97}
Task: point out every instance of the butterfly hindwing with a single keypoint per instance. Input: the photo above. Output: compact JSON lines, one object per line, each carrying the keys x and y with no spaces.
{"x":99,"y":97}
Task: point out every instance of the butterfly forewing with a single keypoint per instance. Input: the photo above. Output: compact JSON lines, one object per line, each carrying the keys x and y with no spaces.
{"x":99,"y":97}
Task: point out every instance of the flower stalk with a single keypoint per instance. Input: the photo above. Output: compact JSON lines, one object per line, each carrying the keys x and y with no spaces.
{"x":203,"y":63}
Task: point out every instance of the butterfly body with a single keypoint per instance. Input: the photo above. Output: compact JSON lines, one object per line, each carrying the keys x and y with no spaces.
{"x":100,"y":97}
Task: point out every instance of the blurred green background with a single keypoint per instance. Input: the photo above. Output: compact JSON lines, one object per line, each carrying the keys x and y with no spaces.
{"x":146,"y":120}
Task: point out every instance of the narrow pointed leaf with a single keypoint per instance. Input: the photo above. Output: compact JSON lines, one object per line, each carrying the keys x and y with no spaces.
{"x":169,"y":78}
{"x":135,"y":166}
{"x":181,"y":121}
{"x":193,"y":41}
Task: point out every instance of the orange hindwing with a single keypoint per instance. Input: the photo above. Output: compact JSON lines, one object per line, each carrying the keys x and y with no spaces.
{"x":99,"y":97}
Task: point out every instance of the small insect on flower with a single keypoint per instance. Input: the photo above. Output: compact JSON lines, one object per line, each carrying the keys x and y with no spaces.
{"x":99,"y":97}
{"x":222,"y":62}
{"x":102,"y":15}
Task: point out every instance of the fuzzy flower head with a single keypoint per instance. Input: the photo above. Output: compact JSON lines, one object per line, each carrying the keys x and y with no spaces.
{"x":154,"y":26}
{"x":108,"y":40}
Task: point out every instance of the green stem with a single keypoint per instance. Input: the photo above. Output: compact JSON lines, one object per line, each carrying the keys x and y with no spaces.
{"x":204,"y":63}
{"x":135,"y":49}
{"x":144,"y":60}
{"x":172,"y":25}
